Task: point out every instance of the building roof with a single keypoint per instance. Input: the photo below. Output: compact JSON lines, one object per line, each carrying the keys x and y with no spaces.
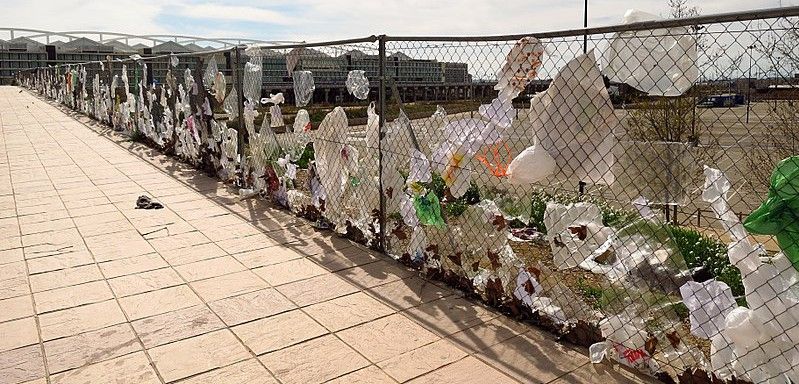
{"x":83,"y":44}
{"x":24,"y":43}
{"x":139,"y":46}
{"x":120,"y":46}
{"x":170,"y":47}
{"x":194,"y":47}
{"x":400,"y":56}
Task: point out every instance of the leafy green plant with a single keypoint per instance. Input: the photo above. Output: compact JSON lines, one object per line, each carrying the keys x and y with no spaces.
{"x":699,"y":250}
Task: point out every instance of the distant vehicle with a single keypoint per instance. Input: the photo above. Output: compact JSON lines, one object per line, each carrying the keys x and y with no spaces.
{"x":725,"y":100}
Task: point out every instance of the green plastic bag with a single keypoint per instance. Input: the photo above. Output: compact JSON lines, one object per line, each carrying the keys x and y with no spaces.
{"x":428,"y":210}
{"x":779,"y":214}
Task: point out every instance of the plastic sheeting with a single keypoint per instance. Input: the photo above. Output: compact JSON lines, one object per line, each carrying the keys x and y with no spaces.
{"x":520,"y":67}
{"x":660,"y":62}
{"x":708,"y":303}
{"x":357,"y":84}
{"x":303,"y":87}
{"x":779,"y":214}
{"x":574,"y":231}
{"x":573,"y":121}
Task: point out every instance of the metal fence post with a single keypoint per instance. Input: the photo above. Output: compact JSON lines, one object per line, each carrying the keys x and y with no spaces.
{"x":381,"y":133}
{"x":239,"y":81}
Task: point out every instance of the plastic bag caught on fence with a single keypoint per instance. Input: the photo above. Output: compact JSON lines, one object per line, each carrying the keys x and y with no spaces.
{"x":521,"y":66}
{"x":708,"y":304}
{"x":210,"y":72}
{"x":220,"y":86}
{"x":303,"y":87}
{"x":372,"y":128}
{"x":428,"y":210}
{"x":660,"y":62}
{"x":574,"y":120}
{"x":357,"y":84}
{"x":252,"y":78}
{"x":779,"y":214}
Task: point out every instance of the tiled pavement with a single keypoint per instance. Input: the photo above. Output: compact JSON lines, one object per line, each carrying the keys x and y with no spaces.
{"x":213,"y":290}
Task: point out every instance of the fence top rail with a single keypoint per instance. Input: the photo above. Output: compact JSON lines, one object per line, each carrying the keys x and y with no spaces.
{"x":367,"y":39}
{"x":767,"y":13}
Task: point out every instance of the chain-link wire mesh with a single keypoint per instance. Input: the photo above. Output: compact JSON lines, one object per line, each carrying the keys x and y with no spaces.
{"x":631,"y":187}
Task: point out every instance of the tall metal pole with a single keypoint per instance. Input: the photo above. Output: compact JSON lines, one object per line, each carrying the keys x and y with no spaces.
{"x":749,"y":83}
{"x":585,"y":25}
{"x":381,"y":105}
{"x":239,"y":81}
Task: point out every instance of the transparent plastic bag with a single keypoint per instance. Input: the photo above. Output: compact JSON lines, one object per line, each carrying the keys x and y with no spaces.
{"x":357,"y":84}
{"x":303,"y":87}
{"x":660,"y":62}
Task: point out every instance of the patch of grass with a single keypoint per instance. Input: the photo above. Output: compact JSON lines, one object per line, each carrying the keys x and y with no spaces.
{"x":590,"y":293}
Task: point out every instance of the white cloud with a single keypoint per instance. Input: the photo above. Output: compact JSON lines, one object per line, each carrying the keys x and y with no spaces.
{"x":232,"y":13}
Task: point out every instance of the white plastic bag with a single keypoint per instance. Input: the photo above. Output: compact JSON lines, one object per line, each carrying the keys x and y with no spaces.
{"x":709,"y":303}
{"x":357,"y":84}
{"x":660,"y":62}
{"x":574,"y":120}
{"x":303,"y":87}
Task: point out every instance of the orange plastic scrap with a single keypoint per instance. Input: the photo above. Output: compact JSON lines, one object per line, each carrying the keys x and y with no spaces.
{"x":496,"y":158}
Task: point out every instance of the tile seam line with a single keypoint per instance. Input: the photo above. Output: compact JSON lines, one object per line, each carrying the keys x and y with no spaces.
{"x":27,"y":271}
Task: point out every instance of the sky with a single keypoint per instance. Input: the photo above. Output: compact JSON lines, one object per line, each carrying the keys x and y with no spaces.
{"x":320,"y":20}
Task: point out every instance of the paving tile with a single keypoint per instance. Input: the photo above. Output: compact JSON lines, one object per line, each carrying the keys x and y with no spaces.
{"x":278,"y":331}
{"x":317,"y":289}
{"x":533,"y":357}
{"x":144,"y":282}
{"x":176,"y":325}
{"x":72,"y":296}
{"x":374,"y":274}
{"x":16,"y":308}
{"x":73,"y":321}
{"x":603,"y":373}
{"x":18,"y":333}
{"x":289,"y":271}
{"x":466,"y":371}
{"x":374,"y":341}
{"x":132,"y":368}
{"x":314,"y":361}
{"x":228,"y":285}
{"x":105,"y":228}
{"x":209,"y":268}
{"x":368,"y":375}
{"x":60,"y":261}
{"x":248,"y":371}
{"x":346,"y":311}
{"x":410,"y":292}
{"x":266,"y":256}
{"x":247,"y":243}
{"x":334,"y":257}
{"x":178,"y":241}
{"x":421,"y":360}
{"x":488,"y":334}
{"x":132,"y":265}
{"x":90,"y":347}
{"x":22,"y":364}
{"x":12,"y":270}
{"x":251,"y":306}
{"x":11,"y":255}
{"x":449,"y":315}
{"x":193,"y":254}
{"x":17,"y":286}
{"x":65,"y":277}
{"x":158,"y":302}
{"x":118,"y":246}
{"x":198,"y":354}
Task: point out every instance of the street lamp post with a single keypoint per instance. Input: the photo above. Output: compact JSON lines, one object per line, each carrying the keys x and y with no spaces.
{"x":749,"y":83}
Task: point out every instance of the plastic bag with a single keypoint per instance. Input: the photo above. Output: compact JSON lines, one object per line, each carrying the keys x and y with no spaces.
{"x":372,"y":127}
{"x":302,"y":122}
{"x":219,"y":87}
{"x":660,"y":62}
{"x":521,"y":66}
{"x":357,"y":84}
{"x":252,"y":81}
{"x":574,"y":120}
{"x":210,"y":72}
{"x":533,"y":164}
{"x":303,"y":87}
{"x":428,"y":210}
{"x":709,"y":303}
{"x":779,"y":214}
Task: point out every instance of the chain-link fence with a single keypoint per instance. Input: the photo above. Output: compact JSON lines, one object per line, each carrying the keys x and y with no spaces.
{"x":631,"y":188}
